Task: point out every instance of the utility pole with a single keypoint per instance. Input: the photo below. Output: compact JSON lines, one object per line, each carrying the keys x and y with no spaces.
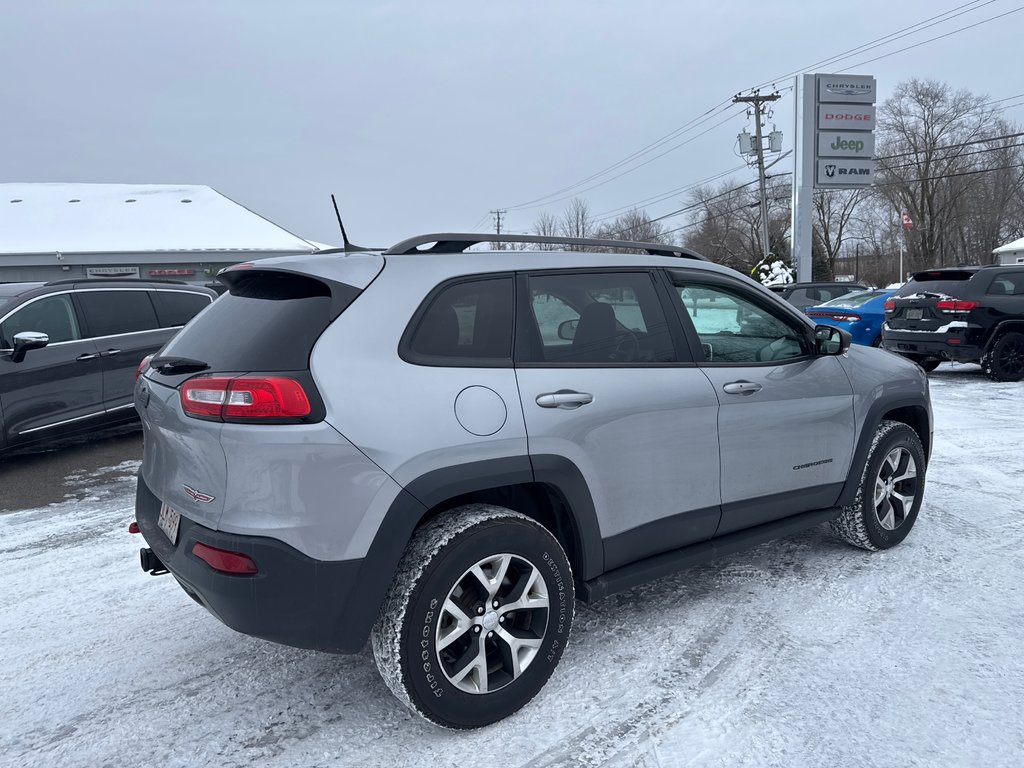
{"x":757,"y":100}
{"x":497,"y":225}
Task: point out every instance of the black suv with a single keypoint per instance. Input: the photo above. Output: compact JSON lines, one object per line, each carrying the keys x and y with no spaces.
{"x":69,"y":351}
{"x":803,"y":295}
{"x":967,"y":314}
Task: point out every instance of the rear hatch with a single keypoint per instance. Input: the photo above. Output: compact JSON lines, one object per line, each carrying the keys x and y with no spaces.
{"x":931,"y":301}
{"x":244,"y":359}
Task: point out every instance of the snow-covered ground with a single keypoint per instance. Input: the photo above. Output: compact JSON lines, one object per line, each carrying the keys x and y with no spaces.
{"x":802,"y":652}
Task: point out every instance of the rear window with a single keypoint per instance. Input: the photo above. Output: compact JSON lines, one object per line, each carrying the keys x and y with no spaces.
{"x":266,"y":322}
{"x":854,"y":299}
{"x":946,"y":282}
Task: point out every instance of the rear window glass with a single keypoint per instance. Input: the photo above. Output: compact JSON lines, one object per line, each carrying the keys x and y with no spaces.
{"x":266,"y":322}
{"x":948,"y":282}
{"x":854,"y":299}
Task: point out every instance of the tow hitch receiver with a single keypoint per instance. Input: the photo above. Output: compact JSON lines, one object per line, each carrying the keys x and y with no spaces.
{"x":151,"y":563}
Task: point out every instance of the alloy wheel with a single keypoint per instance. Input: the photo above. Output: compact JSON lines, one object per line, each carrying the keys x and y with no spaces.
{"x":492,"y":623}
{"x":1011,"y":357}
{"x":895,"y":488}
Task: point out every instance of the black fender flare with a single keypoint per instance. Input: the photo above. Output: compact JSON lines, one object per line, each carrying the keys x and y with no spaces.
{"x":1002,"y":327}
{"x":414,"y":502}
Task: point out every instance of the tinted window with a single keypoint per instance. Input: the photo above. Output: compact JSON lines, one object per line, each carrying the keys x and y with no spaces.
{"x":174,"y":308}
{"x":108,"y":313}
{"x":802,"y":297}
{"x":1007,"y":284}
{"x":267,"y":322}
{"x":469,"y":320}
{"x":948,"y":282}
{"x":611,"y":317}
{"x":54,"y":316}
{"x":734,"y":329}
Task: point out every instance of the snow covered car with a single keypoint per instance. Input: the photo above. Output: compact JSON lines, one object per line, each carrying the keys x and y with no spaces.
{"x":859,"y":314}
{"x":442,"y":450}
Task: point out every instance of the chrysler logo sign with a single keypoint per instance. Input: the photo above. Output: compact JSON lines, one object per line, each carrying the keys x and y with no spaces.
{"x":848,"y":89}
{"x":197,"y":495}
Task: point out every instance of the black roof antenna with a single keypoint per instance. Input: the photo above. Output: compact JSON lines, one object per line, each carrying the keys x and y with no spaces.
{"x":347,"y":246}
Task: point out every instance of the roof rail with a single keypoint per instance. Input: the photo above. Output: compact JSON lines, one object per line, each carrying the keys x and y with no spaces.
{"x":459,"y":242}
{"x":98,"y":279}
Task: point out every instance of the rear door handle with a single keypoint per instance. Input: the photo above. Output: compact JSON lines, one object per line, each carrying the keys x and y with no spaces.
{"x":565,"y":399}
{"x":110,"y":353}
{"x":741,"y":387}
{"x":86,"y":356}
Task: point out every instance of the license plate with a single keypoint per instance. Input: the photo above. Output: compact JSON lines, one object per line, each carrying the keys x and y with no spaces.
{"x":914,"y":314}
{"x":168,"y":522}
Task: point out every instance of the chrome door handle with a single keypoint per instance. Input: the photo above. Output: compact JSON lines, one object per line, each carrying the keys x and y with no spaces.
{"x":564,"y":398}
{"x":87,"y":356}
{"x":110,"y":353}
{"x":741,"y":388}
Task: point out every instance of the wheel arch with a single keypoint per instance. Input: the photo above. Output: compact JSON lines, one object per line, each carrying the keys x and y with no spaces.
{"x":548,"y":489}
{"x":1002,"y":327}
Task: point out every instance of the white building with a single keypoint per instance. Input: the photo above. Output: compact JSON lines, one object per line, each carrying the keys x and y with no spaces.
{"x":189,"y":233}
{"x":1011,"y":253}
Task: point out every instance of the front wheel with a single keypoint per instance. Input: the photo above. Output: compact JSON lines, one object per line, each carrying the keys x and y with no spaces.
{"x":890,"y":492}
{"x":1005,"y":361}
{"x":477,"y":618}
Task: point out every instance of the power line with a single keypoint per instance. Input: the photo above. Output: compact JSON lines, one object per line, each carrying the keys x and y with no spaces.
{"x":661,"y":196}
{"x":955,"y":146}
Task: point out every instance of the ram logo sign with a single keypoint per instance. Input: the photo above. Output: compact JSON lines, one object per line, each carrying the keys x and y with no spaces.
{"x":837,"y":173}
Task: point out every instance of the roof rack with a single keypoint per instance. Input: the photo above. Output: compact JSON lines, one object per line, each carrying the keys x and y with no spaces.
{"x":70,"y":280}
{"x":459,"y":242}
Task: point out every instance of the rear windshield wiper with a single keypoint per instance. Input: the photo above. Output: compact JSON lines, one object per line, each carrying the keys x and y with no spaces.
{"x":169,"y":365}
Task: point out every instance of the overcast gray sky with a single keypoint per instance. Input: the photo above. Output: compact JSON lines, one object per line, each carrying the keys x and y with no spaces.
{"x":422,"y":116}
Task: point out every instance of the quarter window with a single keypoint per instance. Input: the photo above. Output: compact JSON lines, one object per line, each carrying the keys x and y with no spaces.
{"x":734,"y":329}
{"x":470,"y":322}
{"x":602,"y":317}
{"x":54,"y":316}
{"x":109,"y":313}
{"x":1007,"y":284}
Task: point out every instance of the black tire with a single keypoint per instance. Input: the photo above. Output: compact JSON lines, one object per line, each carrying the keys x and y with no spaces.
{"x":877,"y":342}
{"x":928,"y":364}
{"x":873,"y":523}
{"x":1005,"y":360}
{"x":483,"y":673}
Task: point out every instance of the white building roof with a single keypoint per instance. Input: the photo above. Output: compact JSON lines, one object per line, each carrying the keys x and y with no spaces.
{"x":1016,"y":245}
{"x":132,"y":218}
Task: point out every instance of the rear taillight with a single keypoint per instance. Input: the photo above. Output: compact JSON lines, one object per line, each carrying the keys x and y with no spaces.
{"x":142,"y":366}
{"x":890,"y":306}
{"x":224,"y":561}
{"x":244,"y":398}
{"x":843,"y":317}
{"x":956,"y":307}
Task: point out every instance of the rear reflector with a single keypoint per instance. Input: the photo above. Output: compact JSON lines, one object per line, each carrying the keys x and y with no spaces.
{"x":890,"y":306}
{"x":244,"y":398}
{"x":955,"y":307}
{"x":133,"y":527}
{"x":224,"y":561}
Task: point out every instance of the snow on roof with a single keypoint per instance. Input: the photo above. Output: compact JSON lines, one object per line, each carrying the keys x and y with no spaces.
{"x":1016,"y":245}
{"x":132,"y":218}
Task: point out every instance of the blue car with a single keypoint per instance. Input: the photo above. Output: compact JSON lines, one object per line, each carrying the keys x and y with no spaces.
{"x":861,"y":313}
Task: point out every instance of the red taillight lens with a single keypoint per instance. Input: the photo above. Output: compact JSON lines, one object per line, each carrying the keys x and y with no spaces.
{"x":956,"y":307}
{"x":205,"y":396}
{"x":142,"y":366}
{"x":270,"y":397}
{"x":890,"y":306}
{"x":244,"y":397}
{"x":224,"y":561}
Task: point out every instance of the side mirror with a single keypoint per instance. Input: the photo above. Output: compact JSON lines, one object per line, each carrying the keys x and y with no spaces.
{"x":25,"y":341}
{"x":830,"y":340}
{"x":567,"y":329}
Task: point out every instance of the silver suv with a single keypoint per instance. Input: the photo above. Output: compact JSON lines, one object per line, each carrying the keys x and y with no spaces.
{"x":443,"y":449}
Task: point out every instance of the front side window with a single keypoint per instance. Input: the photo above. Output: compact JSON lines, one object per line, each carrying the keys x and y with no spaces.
{"x":110,"y":313}
{"x":54,"y":316}
{"x":469,"y":322}
{"x":604,"y":317}
{"x":732,"y":328}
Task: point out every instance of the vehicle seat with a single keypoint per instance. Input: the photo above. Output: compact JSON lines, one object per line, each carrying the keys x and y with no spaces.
{"x":596,"y":334}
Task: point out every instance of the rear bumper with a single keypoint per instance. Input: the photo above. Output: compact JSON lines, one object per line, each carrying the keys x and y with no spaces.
{"x":931,"y":345}
{"x":293,"y":599}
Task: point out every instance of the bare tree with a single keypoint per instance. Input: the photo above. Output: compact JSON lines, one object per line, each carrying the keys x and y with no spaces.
{"x":833,"y":211}
{"x":546,"y":225}
{"x":635,"y":225}
{"x":576,"y":221}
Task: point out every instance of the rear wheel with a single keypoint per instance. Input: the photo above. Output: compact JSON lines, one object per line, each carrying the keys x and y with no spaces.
{"x":890,"y":492}
{"x":477,"y":618}
{"x":1005,"y":361}
{"x":927,"y":364}
{"x":877,"y":342}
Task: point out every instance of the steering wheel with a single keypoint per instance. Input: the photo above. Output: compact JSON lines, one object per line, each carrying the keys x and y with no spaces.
{"x":627,"y":348}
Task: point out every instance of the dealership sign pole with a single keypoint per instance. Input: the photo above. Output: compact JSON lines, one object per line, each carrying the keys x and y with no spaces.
{"x":835,"y":148}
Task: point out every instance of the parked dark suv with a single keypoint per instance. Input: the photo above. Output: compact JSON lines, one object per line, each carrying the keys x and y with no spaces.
{"x":804,"y":295}
{"x":69,"y":351}
{"x":967,"y":314}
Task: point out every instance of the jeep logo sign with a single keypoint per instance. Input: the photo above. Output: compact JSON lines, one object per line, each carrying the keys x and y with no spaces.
{"x":846,"y":144}
{"x":838,"y":117}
